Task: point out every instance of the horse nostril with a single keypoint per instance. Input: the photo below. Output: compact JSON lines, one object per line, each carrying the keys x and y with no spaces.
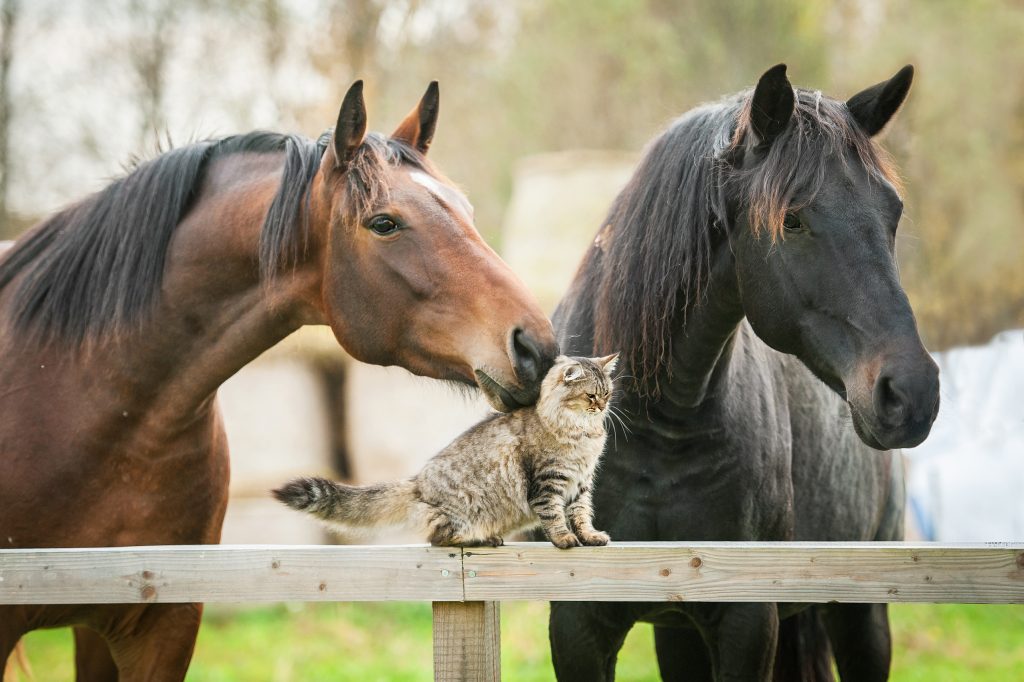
{"x":526,"y":358}
{"x":890,"y":402}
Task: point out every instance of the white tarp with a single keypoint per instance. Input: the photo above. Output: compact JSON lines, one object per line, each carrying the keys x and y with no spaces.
{"x":967,"y":480}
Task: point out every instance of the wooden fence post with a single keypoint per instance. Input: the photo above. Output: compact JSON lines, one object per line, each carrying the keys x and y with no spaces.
{"x":467,"y":641}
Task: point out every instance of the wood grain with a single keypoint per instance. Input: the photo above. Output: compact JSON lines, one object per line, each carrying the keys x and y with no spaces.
{"x":732,"y":572}
{"x":229,"y":574}
{"x":467,"y":641}
{"x":718,"y":571}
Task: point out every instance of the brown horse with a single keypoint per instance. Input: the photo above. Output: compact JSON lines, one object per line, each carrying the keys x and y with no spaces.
{"x":120,"y":317}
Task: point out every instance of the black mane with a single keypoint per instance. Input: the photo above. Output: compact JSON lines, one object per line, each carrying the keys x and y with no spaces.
{"x":651,"y":258}
{"x":96,"y":267}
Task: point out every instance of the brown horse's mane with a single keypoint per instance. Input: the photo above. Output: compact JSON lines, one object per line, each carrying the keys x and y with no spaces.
{"x":656,"y":243}
{"x":96,"y":267}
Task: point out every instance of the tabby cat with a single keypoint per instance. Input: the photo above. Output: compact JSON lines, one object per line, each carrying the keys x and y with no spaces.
{"x":510,"y":472}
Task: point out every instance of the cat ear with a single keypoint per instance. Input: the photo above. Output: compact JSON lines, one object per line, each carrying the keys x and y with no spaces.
{"x":607,"y":363}
{"x":572,"y":373}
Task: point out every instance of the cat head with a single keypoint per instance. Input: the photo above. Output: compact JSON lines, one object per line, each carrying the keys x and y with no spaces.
{"x":582,"y":385}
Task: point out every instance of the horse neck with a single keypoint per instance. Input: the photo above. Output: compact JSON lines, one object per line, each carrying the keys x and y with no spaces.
{"x":214,"y":315}
{"x":704,"y":340}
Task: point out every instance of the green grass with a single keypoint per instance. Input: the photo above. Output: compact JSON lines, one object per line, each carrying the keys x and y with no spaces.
{"x":393,"y":642}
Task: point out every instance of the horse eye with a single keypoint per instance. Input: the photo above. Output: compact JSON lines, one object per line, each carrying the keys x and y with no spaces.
{"x":383,"y":225}
{"x":792,"y":223}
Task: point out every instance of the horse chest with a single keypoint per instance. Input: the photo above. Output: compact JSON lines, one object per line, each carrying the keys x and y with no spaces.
{"x":713,"y":484}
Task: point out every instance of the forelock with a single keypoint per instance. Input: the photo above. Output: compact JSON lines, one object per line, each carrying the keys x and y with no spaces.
{"x":367,"y":174}
{"x":796,"y":163}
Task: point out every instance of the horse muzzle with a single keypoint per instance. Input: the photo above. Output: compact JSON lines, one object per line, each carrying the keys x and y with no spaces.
{"x":529,"y":360}
{"x":898,"y":404}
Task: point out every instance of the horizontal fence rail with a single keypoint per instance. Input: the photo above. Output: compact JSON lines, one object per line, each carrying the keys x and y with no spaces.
{"x":623,"y":571}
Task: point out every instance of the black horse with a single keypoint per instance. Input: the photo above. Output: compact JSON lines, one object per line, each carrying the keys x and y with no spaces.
{"x":747,"y":275}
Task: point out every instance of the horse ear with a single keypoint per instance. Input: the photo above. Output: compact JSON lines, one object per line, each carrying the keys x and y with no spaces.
{"x":771,"y":107}
{"x":351,"y":127}
{"x":873,"y":108}
{"x":417,"y":129}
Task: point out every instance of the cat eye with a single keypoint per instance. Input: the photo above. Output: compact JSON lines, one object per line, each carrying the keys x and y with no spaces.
{"x":591,"y":396}
{"x":383,"y":225}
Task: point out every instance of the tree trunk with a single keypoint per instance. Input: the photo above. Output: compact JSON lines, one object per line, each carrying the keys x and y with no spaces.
{"x":8,"y":21}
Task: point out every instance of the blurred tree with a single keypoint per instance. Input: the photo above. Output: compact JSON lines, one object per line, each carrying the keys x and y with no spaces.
{"x":960,"y":143}
{"x":8,"y":22}
{"x":545,"y":75}
{"x":349,"y":47}
{"x":275,"y":23}
{"x":154,"y":24}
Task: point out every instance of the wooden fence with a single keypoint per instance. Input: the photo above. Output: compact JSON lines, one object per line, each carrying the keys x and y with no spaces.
{"x":466,"y":585}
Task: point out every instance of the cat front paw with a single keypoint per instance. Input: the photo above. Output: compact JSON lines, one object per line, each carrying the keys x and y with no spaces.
{"x":566,"y":541}
{"x":494,"y":541}
{"x":595,"y":538}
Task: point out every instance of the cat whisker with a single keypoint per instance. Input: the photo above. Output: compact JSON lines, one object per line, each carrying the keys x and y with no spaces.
{"x":622,"y":422}
{"x":615,"y":409}
{"x":615,"y":434}
{"x":615,"y":417}
{"x":611,"y":418}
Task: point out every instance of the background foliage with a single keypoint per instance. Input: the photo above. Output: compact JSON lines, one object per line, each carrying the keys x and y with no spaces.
{"x":86,"y":85}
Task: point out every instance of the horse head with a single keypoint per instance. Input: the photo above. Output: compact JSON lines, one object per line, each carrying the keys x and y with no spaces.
{"x":393,"y":231}
{"x":813,"y":209}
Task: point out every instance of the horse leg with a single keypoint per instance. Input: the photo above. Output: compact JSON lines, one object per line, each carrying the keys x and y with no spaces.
{"x":682,"y":655}
{"x":860,"y":640}
{"x":155,"y":643}
{"x":8,"y":662}
{"x":12,"y":628}
{"x":742,"y":639}
{"x":586,"y":638}
{"x":804,"y":652}
{"x":93,"y":661}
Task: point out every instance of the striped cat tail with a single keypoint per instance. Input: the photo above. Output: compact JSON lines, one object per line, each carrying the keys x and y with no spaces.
{"x":354,"y":506}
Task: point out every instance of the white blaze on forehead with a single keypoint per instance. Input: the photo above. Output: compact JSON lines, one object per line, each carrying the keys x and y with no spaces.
{"x":428,"y":182}
{"x":449,"y":195}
